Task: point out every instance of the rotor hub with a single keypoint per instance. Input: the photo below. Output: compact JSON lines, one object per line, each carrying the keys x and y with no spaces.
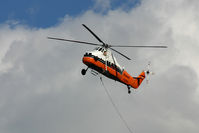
{"x":106,"y":45}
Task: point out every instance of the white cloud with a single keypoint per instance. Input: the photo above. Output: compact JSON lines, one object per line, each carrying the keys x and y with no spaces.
{"x":42,"y":90}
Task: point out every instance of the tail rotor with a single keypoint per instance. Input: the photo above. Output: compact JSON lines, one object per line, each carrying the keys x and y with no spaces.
{"x":148,"y":72}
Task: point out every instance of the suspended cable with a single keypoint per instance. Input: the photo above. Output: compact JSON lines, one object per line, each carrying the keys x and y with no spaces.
{"x":115,"y":107}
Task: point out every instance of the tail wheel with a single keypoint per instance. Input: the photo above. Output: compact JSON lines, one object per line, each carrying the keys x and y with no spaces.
{"x":129,"y":89}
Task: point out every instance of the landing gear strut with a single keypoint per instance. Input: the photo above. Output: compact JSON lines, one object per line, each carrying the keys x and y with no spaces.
{"x":129,"y":91}
{"x":84,"y":71}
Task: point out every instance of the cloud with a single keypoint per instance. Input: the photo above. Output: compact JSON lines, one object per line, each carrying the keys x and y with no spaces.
{"x":42,"y":90}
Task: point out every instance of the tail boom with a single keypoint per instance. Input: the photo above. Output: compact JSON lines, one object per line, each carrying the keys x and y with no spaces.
{"x":134,"y":82}
{"x":138,"y":80}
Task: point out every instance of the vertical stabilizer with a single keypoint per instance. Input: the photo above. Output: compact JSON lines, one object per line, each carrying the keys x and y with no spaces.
{"x":138,"y":80}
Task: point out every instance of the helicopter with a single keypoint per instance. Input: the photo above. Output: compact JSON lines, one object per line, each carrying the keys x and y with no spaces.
{"x":102,"y":61}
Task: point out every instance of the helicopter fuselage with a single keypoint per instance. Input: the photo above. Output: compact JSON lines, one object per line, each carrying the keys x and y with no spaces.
{"x":103,"y":61}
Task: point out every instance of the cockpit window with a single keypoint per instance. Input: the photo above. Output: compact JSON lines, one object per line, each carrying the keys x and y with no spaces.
{"x":100,"y":49}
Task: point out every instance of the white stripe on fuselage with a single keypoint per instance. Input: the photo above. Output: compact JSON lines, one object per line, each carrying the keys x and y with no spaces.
{"x":99,"y":52}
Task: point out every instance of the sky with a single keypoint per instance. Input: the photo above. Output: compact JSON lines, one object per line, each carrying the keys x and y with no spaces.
{"x":43,"y":14}
{"x":41,"y":86}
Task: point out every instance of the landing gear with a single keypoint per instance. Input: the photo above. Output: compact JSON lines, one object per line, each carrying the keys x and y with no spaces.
{"x":84,"y":71}
{"x":129,"y":91}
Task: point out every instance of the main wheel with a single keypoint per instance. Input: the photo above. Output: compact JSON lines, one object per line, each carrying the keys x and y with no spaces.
{"x":83,"y":71}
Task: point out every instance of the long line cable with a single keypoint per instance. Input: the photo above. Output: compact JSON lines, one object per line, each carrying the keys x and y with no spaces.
{"x":115,"y":107}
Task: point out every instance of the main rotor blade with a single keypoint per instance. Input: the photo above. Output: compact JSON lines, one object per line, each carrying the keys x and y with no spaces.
{"x":82,"y":42}
{"x":139,"y":46}
{"x":120,"y":53}
{"x":93,"y":34}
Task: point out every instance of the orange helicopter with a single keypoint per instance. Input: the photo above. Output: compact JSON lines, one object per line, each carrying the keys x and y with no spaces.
{"x":101,"y":60}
